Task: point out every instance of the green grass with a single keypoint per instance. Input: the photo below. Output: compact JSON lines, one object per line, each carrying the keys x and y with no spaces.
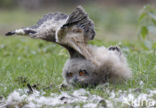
{"x":24,"y":60}
{"x":37,"y":62}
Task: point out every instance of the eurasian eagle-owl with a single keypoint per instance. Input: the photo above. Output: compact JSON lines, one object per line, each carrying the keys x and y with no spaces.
{"x":88,"y":65}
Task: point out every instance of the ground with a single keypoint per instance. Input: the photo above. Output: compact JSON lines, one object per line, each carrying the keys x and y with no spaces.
{"x":38,"y":63}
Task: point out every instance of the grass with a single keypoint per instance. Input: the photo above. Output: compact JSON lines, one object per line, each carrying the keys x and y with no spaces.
{"x":24,"y":60}
{"x":36,"y":62}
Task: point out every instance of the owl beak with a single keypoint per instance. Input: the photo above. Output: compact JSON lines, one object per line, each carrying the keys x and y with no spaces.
{"x":75,"y":79}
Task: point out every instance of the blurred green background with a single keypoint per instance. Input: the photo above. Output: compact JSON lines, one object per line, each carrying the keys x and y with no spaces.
{"x":114,"y":19}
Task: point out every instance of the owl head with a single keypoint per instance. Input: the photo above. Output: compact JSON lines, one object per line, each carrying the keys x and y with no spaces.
{"x":81,"y":72}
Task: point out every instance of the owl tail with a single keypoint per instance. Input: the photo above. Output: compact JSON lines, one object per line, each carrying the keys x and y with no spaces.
{"x":26,"y":31}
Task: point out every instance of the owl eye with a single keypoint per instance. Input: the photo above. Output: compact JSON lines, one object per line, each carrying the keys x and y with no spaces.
{"x":69,"y":74}
{"x":83,"y":73}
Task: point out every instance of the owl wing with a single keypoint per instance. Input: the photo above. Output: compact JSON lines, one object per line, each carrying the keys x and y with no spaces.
{"x":81,"y":19}
{"x":54,"y":27}
{"x":76,"y":32}
{"x":47,"y":26}
{"x":44,"y":29}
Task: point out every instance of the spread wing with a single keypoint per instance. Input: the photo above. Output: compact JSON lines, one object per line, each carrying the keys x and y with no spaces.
{"x":80,"y":18}
{"x":76,"y":32}
{"x":73,"y":31}
{"x":44,"y":29}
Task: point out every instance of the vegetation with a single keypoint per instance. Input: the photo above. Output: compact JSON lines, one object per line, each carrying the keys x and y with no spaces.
{"x":147,"y":26}
{"x":38,"y":63}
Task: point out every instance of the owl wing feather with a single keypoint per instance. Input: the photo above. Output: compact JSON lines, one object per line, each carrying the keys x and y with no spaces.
{"x":48,"y":26}
{"x":80,"y":18}
{"x":50,"y":23}
{"x":48,"y":19}
{"x":76,"y":33}
{"x":44,"y":29}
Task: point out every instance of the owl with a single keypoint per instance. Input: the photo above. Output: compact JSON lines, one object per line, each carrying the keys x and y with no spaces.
{"x":108,"y":65}
{"x":88,"y":64}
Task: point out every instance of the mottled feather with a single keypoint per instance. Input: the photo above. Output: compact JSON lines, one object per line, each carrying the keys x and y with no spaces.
{"x":49,"y":18}
{"x":80,"y":18}
{"x":45,"y":28}
{"x":49,"y":24}
{"x":77,"y":23}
